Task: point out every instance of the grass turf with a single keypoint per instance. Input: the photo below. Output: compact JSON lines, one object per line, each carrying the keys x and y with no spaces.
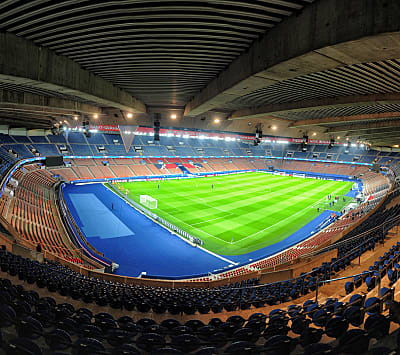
{"x":237,"y":214}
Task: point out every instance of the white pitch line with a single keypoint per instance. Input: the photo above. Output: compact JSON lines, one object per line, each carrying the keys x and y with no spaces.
{"x":252,"y":235}
{"x":208,"y":220}
{"x":282,"y":220}
{"x":206,"y":250}
{"x":200,"y":247}
{"x":213,"y":236}
{"x":204,"y":203}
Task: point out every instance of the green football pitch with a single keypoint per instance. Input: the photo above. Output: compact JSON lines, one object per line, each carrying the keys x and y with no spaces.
{"x":237,"y":214}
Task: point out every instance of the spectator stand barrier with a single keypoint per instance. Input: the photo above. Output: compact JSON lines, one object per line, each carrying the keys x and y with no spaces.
{"x":194,"y":241}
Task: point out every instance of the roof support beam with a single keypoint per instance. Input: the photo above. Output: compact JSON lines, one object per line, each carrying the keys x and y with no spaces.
{"x":345,"y":119}
{"x":24,"y":63}
{"x":388,"y":132}
{"x":324,"y":35}
{"x":357,"y":127}
{"x":27,"y":102}
{"x":316,"y":104}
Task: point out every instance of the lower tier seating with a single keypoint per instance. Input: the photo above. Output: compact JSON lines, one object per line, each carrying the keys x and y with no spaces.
{"x":30,"y":324}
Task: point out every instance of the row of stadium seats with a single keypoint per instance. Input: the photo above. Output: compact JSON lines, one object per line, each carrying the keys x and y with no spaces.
{"x":119,"y":168}
{"x":386,"y":265}
{"x":32,"y":213}
{"x":36,"y":325}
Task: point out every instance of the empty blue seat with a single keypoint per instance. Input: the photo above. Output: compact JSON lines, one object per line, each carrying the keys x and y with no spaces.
{"x":318,"y":349}
{"x":377,"y":326}
{"x":20,"y":346}
{"x":311,"y":336}
{"x":357,"y":300}
{"x":336,"y":326}
{"x":349,"y":287}
{"x":84,"y":346}
{"x":240,"y":347}
{"x":186,"y":342}
{"x":354,"y":341}
{"x":150,"y":342}
{"x":320,"y":317}
{"x":58,"y":339}
{"x":281,"y":344}
{"x":355,"y":315}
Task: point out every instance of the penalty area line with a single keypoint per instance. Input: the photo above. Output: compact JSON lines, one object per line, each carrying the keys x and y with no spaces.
{"x":189,"y":225}
{"x":204,"y":249}
{"x":208,"y":220}
{"x":198,"y":246}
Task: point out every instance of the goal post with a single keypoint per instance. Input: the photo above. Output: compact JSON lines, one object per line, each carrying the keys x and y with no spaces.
{"x":148,"y":201}
{"x":303,"y":176}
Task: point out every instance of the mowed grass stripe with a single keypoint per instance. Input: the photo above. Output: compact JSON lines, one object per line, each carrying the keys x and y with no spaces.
{"x":238,"y":206}
{"x":237,"y":199}
{"x":249,"y":221}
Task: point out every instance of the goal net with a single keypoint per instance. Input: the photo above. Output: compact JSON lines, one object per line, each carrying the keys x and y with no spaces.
{"x":148,"y":201}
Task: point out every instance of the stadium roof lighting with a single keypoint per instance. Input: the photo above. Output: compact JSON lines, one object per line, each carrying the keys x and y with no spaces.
{"x":396,"y":146}
{"x":129,"y":115}
{"x":216,"y":120}
{"x":96,"y":116}
{"x":76,"y":118}
{"x":314,"y":133}
{"x":274,"y":127}
{"x":173,"y":116}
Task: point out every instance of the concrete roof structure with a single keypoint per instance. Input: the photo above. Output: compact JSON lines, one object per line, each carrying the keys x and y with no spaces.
{"x":326,"y":66}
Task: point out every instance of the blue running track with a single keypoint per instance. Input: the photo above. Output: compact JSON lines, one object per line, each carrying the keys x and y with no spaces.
{"x":132,"y":240}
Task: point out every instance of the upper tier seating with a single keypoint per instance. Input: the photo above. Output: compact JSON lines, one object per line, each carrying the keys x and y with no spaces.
{"x":101,"y":144}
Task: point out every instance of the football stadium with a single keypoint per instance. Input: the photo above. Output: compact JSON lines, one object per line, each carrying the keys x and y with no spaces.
{"x":199,"y":177}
